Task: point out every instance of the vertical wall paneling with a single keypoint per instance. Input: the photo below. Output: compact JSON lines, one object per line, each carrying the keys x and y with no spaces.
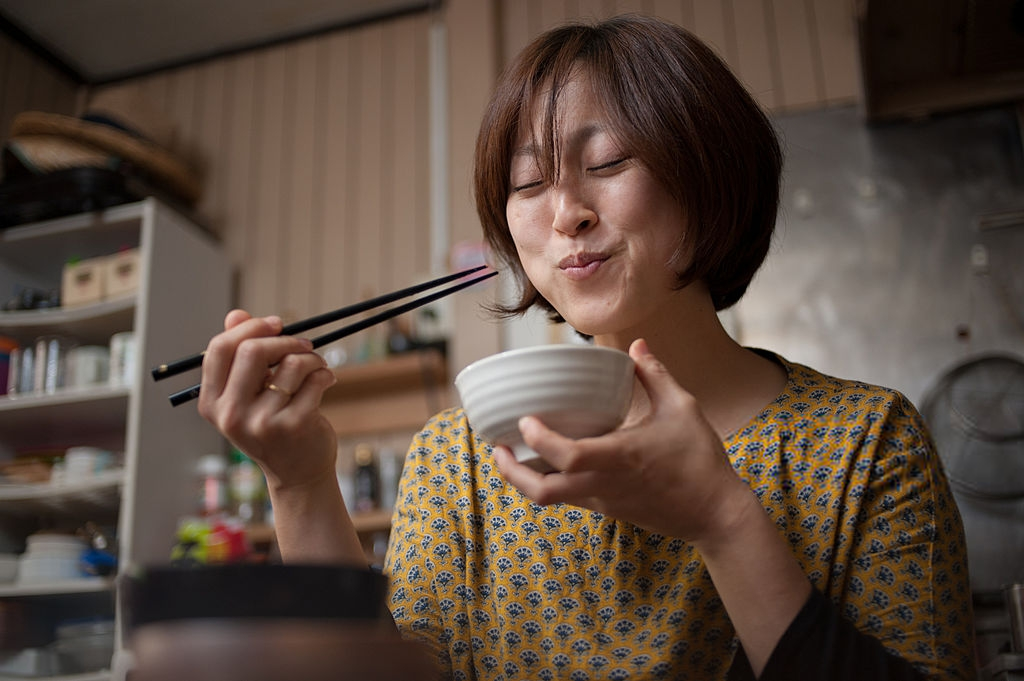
{"x":212,"y":101}
{"x":552,"y":13}
{"x":16,"y":90}
{"x":367,"y":163}
{"x":237,"y":154}
{"x":799,"y":59}
{"x":837,"y":37}
{"x":407,"y":220}
{"x":182,"y":104}
{"x":634,"y":7}
{"x":386,"y":225}
{"x":472,"y":66}
{"x":677,"y":11}
{"x":337,"y":199}
{"x":418,"y":184}
{"x":6,"y":47}
{"x":756,"y":59}
{"x":297,"y":216}
{"x":516,"y":32}
{"x":28,"y":83}
{"x":318,"y":172}
{"x":591,"y":9}
{"x":710,"y":25}
{"x":262,"y":276}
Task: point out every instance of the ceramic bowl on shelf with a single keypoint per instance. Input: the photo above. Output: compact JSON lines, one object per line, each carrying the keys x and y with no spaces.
{"x":576,"y":390}
{"x":51,"y":557}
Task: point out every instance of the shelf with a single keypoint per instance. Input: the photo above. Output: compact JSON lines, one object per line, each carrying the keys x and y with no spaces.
{"x":397,"y":393}
{"x":89,"y":324}
{"x":35,"y":254}
{"x":101,"y":493}
{"x":416,"y":370}
{"x":103,"y":675}
{"x":43,"y":421}
{"x":85,"y":585}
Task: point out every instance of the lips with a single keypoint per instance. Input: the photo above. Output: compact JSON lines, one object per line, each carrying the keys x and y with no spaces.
{"x":580,"y":260}
{"x":581,"y":265}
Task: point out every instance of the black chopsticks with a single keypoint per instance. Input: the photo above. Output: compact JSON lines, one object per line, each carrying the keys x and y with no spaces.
{"x":181,"y":365}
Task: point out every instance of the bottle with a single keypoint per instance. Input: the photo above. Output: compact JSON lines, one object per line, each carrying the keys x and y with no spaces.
{"x":390,"y":467}
{"x":245,"y":488}
{"x":367,"y":480}
{"x":212,"y":485}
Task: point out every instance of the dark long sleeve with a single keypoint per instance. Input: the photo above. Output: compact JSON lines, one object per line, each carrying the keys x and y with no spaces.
{"x":821,"y":645}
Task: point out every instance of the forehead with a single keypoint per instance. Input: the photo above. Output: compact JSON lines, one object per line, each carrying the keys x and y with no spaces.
{"x":556,"y":108}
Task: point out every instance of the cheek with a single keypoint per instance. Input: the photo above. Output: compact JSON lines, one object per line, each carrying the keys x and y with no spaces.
{"x":522,"y":224}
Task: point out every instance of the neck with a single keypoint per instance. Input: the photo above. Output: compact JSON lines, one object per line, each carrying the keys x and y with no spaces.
{"x":731,"y":383}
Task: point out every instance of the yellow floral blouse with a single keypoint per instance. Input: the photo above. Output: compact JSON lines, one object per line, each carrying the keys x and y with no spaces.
{"x":502,"y":588}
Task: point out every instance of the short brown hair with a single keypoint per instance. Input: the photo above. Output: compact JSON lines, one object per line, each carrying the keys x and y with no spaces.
{"x":679,"y":110}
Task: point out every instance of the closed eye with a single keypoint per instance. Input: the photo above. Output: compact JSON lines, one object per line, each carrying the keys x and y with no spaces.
{"x":609,"y":164}
{"x":524,"y":187}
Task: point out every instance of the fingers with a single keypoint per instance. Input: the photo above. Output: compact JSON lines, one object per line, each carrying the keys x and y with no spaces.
{"x":662,"y":389}
{"x":307,"y":397}
{"x":298,"y":380}
{"x":236,"y":361}
{"x":234,"y":318}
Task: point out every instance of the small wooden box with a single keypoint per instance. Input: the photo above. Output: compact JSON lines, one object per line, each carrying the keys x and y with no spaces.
{"x":84,"y":282}
{"x":122,"y":273}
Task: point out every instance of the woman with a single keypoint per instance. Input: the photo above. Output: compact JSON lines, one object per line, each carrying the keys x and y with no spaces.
{"x":751,"y":519}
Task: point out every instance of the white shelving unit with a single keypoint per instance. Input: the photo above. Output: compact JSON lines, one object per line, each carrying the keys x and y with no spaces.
{"x":183,"y":293}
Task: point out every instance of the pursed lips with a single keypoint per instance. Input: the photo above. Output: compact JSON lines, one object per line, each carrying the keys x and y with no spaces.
{"x":581,"y":264}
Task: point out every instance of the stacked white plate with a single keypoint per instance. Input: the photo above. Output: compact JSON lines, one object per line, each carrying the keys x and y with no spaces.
{"x":51,"y":558}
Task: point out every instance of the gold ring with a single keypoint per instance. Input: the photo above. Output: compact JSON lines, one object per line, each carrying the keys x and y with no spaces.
{"x":278,"y":389}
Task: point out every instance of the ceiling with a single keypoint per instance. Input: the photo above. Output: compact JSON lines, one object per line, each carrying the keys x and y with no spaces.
{"x":99,"y":41}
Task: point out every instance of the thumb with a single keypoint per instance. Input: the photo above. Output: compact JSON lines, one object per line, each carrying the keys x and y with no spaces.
{"x":653,"y":375}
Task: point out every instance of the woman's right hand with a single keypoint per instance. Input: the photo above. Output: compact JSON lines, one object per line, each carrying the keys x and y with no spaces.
{"x":262,"y":391}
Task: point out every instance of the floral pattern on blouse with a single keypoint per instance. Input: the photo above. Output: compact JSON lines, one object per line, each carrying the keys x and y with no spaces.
{"x":502,"y":588}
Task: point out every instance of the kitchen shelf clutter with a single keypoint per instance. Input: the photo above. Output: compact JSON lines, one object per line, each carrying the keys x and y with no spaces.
{"x":102,"y":461}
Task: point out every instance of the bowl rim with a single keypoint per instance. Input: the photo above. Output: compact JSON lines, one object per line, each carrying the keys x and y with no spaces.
{"x":549,"y":348}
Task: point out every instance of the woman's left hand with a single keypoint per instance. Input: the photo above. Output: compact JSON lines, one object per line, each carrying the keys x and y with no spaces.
{"x":666,"y":472}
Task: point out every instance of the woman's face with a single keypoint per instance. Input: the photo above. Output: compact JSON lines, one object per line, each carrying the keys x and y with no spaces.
{"x":597,"y":243}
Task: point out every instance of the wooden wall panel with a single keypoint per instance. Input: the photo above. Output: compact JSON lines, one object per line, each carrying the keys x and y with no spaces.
{"x":336,"y":278}
{"x":677,"y":11}
{"x":369,"y":163}
{"x":262,"y":278}
{"x":27,"y":83}
{"x":234,"y":154}
{"x":837,"y":38}
{"x":799,"y":56}
{"x":314,"y":155}
{"x":709,"y":22}
{"x":791,"y":54}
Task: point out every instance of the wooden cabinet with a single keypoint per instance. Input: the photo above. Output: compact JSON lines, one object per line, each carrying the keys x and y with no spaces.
{"x":182,"y":293}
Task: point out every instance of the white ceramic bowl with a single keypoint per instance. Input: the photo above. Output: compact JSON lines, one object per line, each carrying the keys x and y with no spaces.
{"x":576,"y":390}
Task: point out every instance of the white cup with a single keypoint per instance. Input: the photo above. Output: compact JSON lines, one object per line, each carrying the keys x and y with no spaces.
{"x":82,"y":463}
{"x":88,"y":365}
{"x":122,"y":358}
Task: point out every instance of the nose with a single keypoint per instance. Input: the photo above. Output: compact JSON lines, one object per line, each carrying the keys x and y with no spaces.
{"x":573,"y":212}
